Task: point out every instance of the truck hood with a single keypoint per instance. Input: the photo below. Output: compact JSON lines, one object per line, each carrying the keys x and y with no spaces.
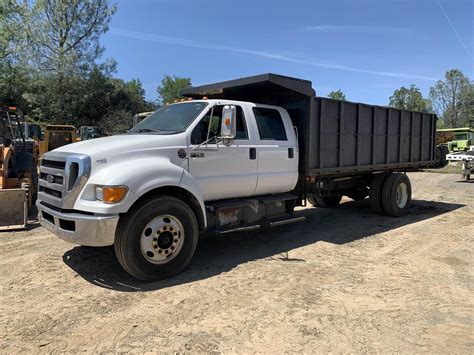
{"x":129,"y":144}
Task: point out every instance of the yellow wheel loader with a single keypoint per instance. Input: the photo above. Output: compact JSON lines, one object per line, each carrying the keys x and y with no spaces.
{"x":18,"y":172}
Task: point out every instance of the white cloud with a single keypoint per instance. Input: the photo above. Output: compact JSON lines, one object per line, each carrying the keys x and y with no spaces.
{"x":358,"y":28}
{"x":263,"y":54}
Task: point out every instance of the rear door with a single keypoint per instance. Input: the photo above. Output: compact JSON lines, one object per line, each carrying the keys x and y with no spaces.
{"x":277,"y":151}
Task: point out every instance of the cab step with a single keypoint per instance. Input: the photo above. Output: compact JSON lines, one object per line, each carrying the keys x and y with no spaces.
{"x":283,"y":221}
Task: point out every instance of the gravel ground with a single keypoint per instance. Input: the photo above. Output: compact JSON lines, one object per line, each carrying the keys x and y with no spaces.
{"x":344,"y":280}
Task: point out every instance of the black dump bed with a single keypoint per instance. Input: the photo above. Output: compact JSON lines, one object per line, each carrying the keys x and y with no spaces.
{"x":337,"y":137}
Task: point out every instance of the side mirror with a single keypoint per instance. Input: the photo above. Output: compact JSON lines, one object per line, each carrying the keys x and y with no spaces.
{"x":228,"y":126}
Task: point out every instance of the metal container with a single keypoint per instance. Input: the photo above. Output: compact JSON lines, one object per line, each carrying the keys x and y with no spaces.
{"x":337,"y":137}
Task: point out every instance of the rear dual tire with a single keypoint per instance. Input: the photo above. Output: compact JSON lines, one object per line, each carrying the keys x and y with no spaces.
{"x":390,"y":194}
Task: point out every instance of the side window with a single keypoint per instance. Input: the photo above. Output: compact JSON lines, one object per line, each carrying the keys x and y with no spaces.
{"x":199,"y":134}
{"x":270,"y":124}
{"x":241,"y":129}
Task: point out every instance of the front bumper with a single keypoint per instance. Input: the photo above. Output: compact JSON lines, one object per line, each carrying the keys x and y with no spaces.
{"x":78,"y":228}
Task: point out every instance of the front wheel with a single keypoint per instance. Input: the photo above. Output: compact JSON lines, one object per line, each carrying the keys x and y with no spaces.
{"x":157,"y":239}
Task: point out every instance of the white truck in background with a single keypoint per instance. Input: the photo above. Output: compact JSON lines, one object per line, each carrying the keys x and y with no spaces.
{"x":227,"y":163}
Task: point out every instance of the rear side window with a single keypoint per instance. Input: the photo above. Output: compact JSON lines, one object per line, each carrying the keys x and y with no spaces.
{"x":270,"y":124}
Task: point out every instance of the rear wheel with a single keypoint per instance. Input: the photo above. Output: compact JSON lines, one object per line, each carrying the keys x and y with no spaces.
{"x":157,"y":239}
{"x":437,"y":158}
{"x":444,"y":152}
{"x":396,"y":195}
{"x":325,"y":202}
{"x":375,"y":193}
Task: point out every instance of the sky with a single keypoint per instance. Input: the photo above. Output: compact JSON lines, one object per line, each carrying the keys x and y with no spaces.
{"x":366,"y":48}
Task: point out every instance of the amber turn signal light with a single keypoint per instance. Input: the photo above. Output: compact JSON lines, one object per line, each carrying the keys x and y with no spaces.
{"x":111,"y":194}
{"x":114,"y":194}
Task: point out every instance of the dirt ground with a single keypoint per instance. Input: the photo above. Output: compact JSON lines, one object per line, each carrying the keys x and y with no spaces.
{"x":344,"y":280}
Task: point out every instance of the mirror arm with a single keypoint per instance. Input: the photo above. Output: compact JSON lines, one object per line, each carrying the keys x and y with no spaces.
{"x":209,"y":126}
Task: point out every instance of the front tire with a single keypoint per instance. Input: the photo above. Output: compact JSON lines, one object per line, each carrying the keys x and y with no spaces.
{"x":157,"y":239}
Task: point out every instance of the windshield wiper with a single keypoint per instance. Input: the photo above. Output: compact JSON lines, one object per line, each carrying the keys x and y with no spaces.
{"x":142,"y":130}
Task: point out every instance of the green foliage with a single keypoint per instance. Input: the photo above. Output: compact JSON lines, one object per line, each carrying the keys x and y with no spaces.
{"x":49,"y":52}
{"x":170,"y":88}
{"x":63,"y":35}
{"x":410,"y":99}
{"x":337,"y":95}
{"x":453,"y":99}
{"x":86,"y":100}
{"x":10,"y":30}
{"x":116,"y":122}
{"x":440,"y":123}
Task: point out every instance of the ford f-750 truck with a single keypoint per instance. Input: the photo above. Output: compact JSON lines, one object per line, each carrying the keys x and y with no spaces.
{"x":234,"y":156}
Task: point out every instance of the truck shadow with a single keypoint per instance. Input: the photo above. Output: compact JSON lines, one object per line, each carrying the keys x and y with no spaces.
{"x":217,"y":254}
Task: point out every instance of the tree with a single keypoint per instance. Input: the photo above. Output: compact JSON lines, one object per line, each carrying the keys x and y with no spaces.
{"x":410,"y":99}
{"x":453,"y":99}
{"x":337,"y":95}
{"x":170,"y":88}
{"x":10,"y":29}
{"x":63,"y":35}
{"x":13,"y":71}
{"x":116,"y":122}
{"x":63,"y":46}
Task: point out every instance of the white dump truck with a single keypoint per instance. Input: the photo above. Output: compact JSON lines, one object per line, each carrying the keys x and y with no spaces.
{"x":234,"y":156}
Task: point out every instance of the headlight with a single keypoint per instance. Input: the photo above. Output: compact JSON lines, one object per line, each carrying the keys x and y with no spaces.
{"x":110,"y":194}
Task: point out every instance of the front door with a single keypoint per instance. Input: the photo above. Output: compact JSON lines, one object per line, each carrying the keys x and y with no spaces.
{"x":223,"y":172}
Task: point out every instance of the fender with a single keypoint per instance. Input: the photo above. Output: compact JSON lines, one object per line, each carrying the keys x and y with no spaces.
{"x":188,"y":182}
{"x":140,"y":176}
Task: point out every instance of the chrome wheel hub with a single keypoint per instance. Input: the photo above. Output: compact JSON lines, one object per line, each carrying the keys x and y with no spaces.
{"x":162,"y":239}
{"x":402,"y":195}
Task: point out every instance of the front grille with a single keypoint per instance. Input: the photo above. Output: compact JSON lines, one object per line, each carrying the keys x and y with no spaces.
{"x":53,"y":164}
{"x":51,"y":192}
{"x":62,"y":177}
{"x":56,"y":179}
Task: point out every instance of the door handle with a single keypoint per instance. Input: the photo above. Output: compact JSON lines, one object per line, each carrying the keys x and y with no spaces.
{"x":253,"y":153}
{"x":291,"y":153}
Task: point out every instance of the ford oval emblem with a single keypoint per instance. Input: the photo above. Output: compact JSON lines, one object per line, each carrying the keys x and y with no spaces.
{"x":50,"y":179}
{"x":182,"y":153}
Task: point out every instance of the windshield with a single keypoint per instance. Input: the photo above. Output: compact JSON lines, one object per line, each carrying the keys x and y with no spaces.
{"x":172,"y":118}
{"x":58,"y":139}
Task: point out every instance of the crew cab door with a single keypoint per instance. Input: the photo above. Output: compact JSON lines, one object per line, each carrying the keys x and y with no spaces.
{"x":277,"y":150}
{"x":220,"y":171}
